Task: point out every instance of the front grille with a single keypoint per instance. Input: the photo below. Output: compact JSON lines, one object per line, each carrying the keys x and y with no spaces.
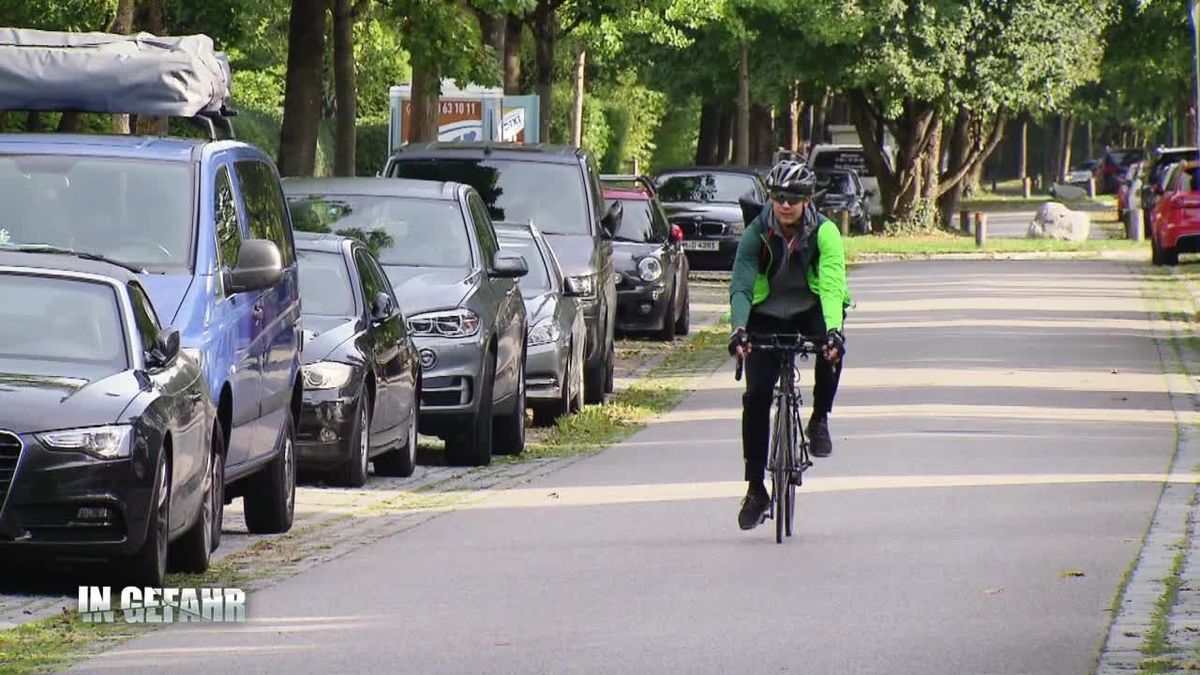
{"x":445,"y":392}
{"x":10,"y":452}
{"x":693,"y":229}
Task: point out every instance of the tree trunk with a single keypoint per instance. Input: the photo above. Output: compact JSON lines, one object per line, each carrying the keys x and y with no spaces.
{"x":492,"y":28}
{"x":932,"y":169}
{"x":150,"y":16}
{"x":577,"y":112}
{"x":33,"y":123}
{"x":1091,"y":149}
{"x":345,"y":88}
{"x":1068,"y":131}
{"x":820,"y":108}
{"x":725,"y":135}
{"x":742,"y":145}
{"x":122,"y":24}
{"x":514,"y":35}
{"x":913,"y":129}
{"x":709,"y":140}
{"x":545,"y":35}
{"x":69,"y":122}
{"x":762,"y":143}
{"x":426,"y":90}
{"x":960,"y":139}
{"x":791,"y":121}
{"x":303,"y":89}
{"x":1023,"y":150}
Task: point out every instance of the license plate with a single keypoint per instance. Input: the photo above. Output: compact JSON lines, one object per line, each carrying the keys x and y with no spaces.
{"x":701,"y":245}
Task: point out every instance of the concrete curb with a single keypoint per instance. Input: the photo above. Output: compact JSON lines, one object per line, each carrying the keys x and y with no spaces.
{"x":1170,"y":530}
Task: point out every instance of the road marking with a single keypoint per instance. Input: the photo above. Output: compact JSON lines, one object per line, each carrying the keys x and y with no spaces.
{"x":958,"y":411}
{"x":990,"y":378}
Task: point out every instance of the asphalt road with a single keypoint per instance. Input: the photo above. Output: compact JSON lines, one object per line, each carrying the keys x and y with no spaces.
{"x":999,"y":440}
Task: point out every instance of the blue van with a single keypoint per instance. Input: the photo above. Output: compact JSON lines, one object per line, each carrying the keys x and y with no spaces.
{"x":205,"y":225}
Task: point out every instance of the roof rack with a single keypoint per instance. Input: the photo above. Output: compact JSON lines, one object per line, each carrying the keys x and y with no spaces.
{"x":139,"y":74}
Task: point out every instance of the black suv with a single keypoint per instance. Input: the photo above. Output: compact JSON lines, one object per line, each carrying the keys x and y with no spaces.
{"x":557,"y":188}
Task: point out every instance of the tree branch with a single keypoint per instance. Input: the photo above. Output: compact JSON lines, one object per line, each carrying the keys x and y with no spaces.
{"x":977,"y":155}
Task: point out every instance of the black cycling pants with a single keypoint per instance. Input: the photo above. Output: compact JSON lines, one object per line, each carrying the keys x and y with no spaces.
{"x":762,"y":372}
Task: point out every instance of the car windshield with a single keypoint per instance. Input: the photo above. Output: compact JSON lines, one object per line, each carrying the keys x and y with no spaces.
{"x":639,"y":224}
{"x":61,"y":320}
{"x":325,"y":284}
{"x":835,"y":183}
{"x":704,"y":187}
{"x":401,"y":230}
{"x":844,"y":160}
{"x":549,"y":195}
{"x":136,"y":211}
{"x":538,"y":279}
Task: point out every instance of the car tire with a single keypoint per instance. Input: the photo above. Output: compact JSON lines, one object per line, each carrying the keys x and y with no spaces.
{"x":193,"y":552}
{"x":1155,"y":254}
{"x":684,"y":325}
{"x":667,"y":332}
{"x":219,"y":490}
{"x":595,"y":377}
{"x":270,"y":499}
{"x":546,"y":414}
{"x":474,"y":447}
{"x":610,"y":368}
{"x":577,"y":373}
{"x":401,"y":462}
{"x":354,"y":472}
{"x":148,"y":567}
{"x":509,"y":431}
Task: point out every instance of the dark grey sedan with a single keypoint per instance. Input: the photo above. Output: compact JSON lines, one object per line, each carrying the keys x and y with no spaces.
{"x":459,"y":292}
{"x":554,"y":369}
{"x":361,"y":369}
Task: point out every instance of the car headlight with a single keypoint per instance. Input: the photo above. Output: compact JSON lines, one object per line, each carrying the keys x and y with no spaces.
{"x":106,"y":442}
{"x":544,"y":332}
{"x":736,"y":227}
{"x":650,"y":268}
{"x":583,"y":285}
{"x":455,"y":323}
{"x":327,"y":375}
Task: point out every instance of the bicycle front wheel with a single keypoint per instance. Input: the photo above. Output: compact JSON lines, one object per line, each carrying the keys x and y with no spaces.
{"x":779,"y":488}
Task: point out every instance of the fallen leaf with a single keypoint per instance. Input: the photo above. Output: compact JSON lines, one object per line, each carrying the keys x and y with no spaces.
{"x":1071,"y":573}
{"x":1131,"y":634}
{"x":553,"y":495}
{"x":1113,"y":371}
{"x":993,"y":591}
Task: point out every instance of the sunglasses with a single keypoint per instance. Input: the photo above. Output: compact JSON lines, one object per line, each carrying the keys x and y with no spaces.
{"x":789,"y":198}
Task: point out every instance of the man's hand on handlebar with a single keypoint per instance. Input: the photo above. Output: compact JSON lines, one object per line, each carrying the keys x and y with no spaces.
{"x":739,"y":344}
{"x":835,"y":346}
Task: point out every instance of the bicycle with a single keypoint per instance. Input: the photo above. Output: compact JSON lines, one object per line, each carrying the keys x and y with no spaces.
{"x":788,"y":457}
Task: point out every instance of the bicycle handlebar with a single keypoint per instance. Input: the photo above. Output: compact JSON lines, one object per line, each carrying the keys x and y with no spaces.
{"x":783,"y":343}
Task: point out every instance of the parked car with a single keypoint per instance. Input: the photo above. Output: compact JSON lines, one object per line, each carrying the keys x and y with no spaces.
{"x":108,"y":446}
{"x":850,"y":158}
{"x":556,"y":188}
{"x":653,"y":292}
{"x":206,"y":222}
{"x":1161,"y":159}
{"x":1175,"y":224}
{"x":554,"y":366}
{"x":843,"y":191}
{"x":1081,"y":173}
{"x":361,"y":369}
{"x":703,"y":202}
{"x":459,"y":292}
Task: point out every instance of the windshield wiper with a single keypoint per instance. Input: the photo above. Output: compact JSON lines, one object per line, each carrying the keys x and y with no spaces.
{"x":58,"y":250}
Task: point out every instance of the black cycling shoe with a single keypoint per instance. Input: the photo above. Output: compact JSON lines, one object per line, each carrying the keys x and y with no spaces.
{"x":819,"y":442}
{"x":753,"y":507}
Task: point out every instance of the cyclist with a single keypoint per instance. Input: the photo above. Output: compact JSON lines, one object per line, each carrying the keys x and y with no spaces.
{"x":789,"y":276}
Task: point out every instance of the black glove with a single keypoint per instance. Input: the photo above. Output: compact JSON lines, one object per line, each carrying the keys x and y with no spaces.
{"x":834,"y":339}
{"x":738,"y":339}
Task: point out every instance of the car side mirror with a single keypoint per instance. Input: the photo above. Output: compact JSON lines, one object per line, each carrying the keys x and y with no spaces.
{"x":573,"y":288}
{"x":676,"y":233}
{"x":509,"y":265}
{"x":165,"y":349}
{"x":383,"y":308}
{"x":611,"y":222}
{"x":259,"y":266}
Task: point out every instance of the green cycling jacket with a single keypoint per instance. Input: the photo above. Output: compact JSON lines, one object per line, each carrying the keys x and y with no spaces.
{"x":756,"y":261}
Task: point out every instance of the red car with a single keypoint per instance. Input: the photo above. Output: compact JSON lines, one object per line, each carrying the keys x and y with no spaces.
{"x":1175,"y":220}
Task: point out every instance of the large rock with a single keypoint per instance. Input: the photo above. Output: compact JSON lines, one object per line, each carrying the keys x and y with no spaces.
{"x":1056,"y":221}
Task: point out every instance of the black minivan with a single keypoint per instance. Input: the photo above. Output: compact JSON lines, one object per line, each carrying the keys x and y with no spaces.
{"x":557,"y":188}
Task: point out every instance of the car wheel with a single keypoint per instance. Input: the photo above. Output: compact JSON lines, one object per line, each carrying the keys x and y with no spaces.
{"x":684,"y":325}
{"x":474,"y":446}
{"x":595,"y":376}
{"x":148,"y":567}
{"x":577,"y":372}
{"x":354,"y":472}
{"x":610,"y":367}
{"x":667,"y":332}
{"x":509,"y":433}
{"x":193,"y":551}
{"x":219,"y":488}
{"x":270,"y":500}
{"x":402,"y":462}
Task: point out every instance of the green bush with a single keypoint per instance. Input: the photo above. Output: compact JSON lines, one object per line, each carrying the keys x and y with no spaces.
{"x":371,"y":151}
{"x":675,"y":142}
